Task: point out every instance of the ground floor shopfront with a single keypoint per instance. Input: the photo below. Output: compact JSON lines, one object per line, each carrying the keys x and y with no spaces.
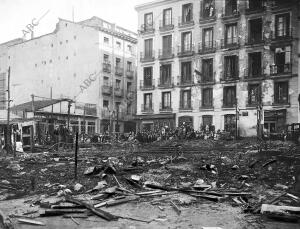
{"x":248,"y":121}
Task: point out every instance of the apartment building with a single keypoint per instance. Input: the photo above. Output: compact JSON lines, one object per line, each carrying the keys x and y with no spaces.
{"x":227,"y":63}
{"x":91,"y":62}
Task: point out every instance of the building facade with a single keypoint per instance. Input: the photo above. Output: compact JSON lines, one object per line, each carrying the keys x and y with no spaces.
{"x":92,"y":63}
{"x":224,"y":63}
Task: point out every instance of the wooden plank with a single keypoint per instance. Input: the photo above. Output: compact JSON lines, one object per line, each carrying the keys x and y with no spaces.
{"x":32,"y":222}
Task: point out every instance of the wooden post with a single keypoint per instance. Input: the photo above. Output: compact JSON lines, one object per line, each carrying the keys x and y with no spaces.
{"x":32,"y":139}
{"x":76,"y":151}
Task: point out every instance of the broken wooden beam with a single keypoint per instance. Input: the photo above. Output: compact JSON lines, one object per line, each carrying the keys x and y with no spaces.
{"x":32,"y":222}
{"x":58,"y":212}
{"x":177,"y":209}
{"x":103,"y":214}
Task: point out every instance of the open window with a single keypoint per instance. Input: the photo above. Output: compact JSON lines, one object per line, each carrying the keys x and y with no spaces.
{"x":186,"y":72}
{"x":207,"y":70}
{"x":281,"y":92}
{"x":255,"y":31}
{"x":254,"y":64}
{"x":229,"y":96}
{"x":187,"y":13}
{"x":207,"y":97}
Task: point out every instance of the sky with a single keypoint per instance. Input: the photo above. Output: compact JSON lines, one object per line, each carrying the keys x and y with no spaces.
{"x":15,"y":15}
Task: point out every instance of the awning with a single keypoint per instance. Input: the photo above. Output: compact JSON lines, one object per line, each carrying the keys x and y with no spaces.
{"x":154,"y":116}
{"x":38,"y":104}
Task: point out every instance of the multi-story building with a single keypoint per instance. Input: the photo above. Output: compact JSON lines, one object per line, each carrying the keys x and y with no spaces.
{"x":92,"y":62}
{"x":218,"y":62}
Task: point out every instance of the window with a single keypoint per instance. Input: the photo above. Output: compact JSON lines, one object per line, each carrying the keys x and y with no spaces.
{"x":118,"y":63}
{"x":185,"y":99}
{"x":282,"y":25}
{"x":149,"y":48}
{"x":129,"y":66}
{"x":129,"y":48}
{"x":254,"y":64}
{"x":187,"y":12}
{"x":148,"y":76}
{"x":207,"y":97}
{"x":118,"y":84}
{"x":229,"y":96}
{"x":167,"y":45}
{"x":208,"y":37}
{"x":106,"y":40}
{"x":167,"y":17}
{"x":255,"y":30}
{"x":118,"y":44}
{"x":186,"y":72}
{"x":91,"y":127}
{"x":166,"y":99}
{"x":231,"y":34}
{"x":207,"y":70}
{"x":106,"y":58}
{"x":257,"y":4}
{"x":148,"y":20}
{"x":282,"y":59}
{"x":148,"y":101}
{"x":82,"y":126}
{"x":105,"y":104}
{"x":105,"y":81}
{"x":165,"y":74}
{"x":129,"y":108}
{"x":281,"y":92}
{"x":129,"y":86}
{"x":230,"y":7}
{"x":231,"y":67}
{"x":253,"y":94}
{"x":186,"y":41}
{"x":208,"y":8}
{"x":229,"y":123}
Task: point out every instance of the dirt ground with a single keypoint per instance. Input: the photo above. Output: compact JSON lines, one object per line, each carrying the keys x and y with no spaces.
{"x":242,"y":166}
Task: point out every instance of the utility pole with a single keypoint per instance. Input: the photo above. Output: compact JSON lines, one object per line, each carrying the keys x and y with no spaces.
{"x":69,"y":107}
{"x":237,"y":114}
{"x":8,"y":136}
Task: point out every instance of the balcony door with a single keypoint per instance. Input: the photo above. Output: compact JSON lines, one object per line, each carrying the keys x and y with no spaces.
{"x":167,"y":45}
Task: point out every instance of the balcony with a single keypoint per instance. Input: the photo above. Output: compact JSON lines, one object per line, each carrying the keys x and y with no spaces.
{"x":166,"y":83}
{"x":207,"y":14}
{"x":203,"y":106}
{"x":119,"y":71}
{"x":228,"y":105}
{"x":147,"y":29}
{"x":129,"y":74}
{"x":147,"y":85}
{"x":254,"y":74}
{"x":147,"y":108}
{"x":185,"y":107}
{"x":207,"y":47}
{"x":260,"y":8}
{"x":166,"y":54}
{"x":183,"y":51}
{"x":106,"y":67}
{"x":230,"y":13}
{"x":207,"y":79}
{"x":105,"y":114}
{"x":118,"y":92}
{"x":279,"y":5}
{"x":233,"y":43}
{"x":166,"y":26}
{"x":165,"y":108}
{"x":186,"y":82}
{"x":106,"y":89}
{"x":252,"y":40}
{"x":227,"y":77}
{"x":281,"y":70}
{"x":282,"y":35}
{"x":147,"y":57}
{"x":183,"y":22}
{"x":130,"y":94}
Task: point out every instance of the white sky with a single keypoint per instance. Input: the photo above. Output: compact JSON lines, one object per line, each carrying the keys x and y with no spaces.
{"x":16,"y":14}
